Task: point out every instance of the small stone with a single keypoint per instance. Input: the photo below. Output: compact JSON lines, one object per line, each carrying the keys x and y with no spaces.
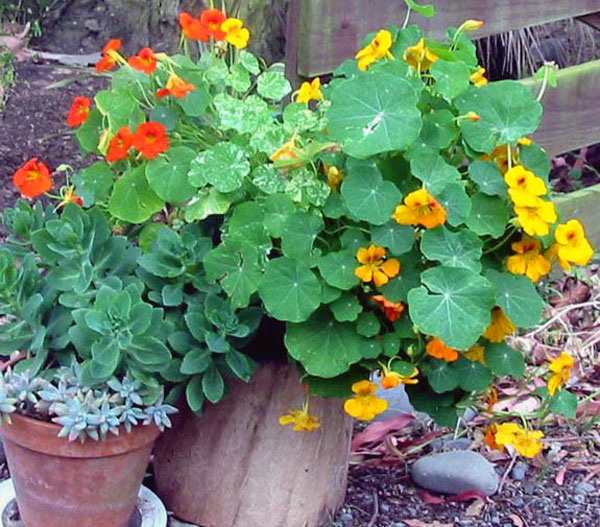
{"x":462,"y":443}
{"x":346,"y":517}
{"x":578,"y":498}
{"x":583,"y":487}
{"x":519,"y":471}
{"x":92,"y":25}
{"x":469,"y":415}
{"x":517,"y":501}
{"x":455,"y":472}
{"x":528,"y":488}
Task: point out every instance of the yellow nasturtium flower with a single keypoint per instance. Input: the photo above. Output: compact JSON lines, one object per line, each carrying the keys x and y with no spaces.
{"x":536,"y":217}
{"x":365,"y":405}
{"x":524,"y":186}
{"x":561,"y":371}
{"x":420,"y":208}
{"x":286,"y":152}
{"x":377,"y":49}
{"x":235,"y":32}
{"x":500,"y":326}
{"x":526,"y":442}
{"x":301,"y":419}
{"x":478,"y":78}
{"x":374,"y":267}
{"x":571,"y":247}
{"x":475,"y":353}
{"x":334,"y":177}
{"x":419,"y":56}
{"x":310,"y":91}
{"x":528,"y":260}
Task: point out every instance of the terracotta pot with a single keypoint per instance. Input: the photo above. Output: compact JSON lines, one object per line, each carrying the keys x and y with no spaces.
{"x":59,"y":483}
{"x":237,"y":467}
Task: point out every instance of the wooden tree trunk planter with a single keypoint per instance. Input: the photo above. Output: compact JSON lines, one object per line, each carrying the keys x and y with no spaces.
{"x":237,"y":467}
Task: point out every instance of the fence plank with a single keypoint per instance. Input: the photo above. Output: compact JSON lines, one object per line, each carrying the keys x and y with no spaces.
{"x":331,"y":30}
{"x":583,"y":206}
{"x":571,"y":117}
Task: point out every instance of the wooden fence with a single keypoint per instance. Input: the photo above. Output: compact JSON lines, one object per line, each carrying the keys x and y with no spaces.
{"x":323,"y":33}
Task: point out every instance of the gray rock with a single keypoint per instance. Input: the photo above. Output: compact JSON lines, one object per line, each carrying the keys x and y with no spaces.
{"x":517,"y":501}
{"x":578,"y":498}
{"x":398,"y":402}
{"x":455,"y":472}
{"x":583,"y":487}
{"x":519,"y":471}
{"x":469,"y":415}
{"x":462,"y":443}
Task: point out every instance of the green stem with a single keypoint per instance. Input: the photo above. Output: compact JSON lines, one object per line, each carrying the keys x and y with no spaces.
{"x":407,"y":18}
{"x":501,"y":242}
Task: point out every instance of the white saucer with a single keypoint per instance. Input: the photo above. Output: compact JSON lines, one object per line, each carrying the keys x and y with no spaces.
{"x":151,"y":508}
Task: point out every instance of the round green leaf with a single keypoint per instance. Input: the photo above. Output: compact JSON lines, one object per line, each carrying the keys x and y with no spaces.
{"x":398,"y":287}
{"x":488,"y":178}
{"x":374,"y":113}
{"x":472,"y":375}
{"x":397,"y":238}
{"x":225,"y":166}
{"x":277,"y":208}
{"x":96,"y":180}
{"x":307,"y":342}
{"x":439,"y":129}
{"x":503,"y":360}
{"x":338,"y":269}
{"x":368,"y":324}
{"x":441,"y":376}
{"x":518,"y":298}
{"x":453,"y":304}
{"x":194,"y":103}
{"x":451,"y":78}
{"x":508,"y":112}
{"x":273,"y":85}
{"x":132,"y":199}
{"x":456,"y":202}
{"x":434,"y":172}
{"x":489,"y":215}
{"x":165,"y":116}
{"x":453,"y":249}
{"x":564,"y":403}
{"x":167,"y":175}
{"x":369,"y":197}
{"x":289,"y":290}
{"x":535,"y":158}
{"x":207,"y":203}
{"x":300,"y":231}
{"x":249,"y":61}
{"x":346,"y":308}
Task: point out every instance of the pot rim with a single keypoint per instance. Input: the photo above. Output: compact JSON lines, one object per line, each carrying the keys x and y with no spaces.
{"x":41,"y":436}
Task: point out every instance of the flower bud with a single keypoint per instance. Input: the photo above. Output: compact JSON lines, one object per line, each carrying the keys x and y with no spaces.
{"x":472,"y":116}
{"x":473,"y":25}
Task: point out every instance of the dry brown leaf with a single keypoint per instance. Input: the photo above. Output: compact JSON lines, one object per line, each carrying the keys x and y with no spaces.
{"x":516,"y":520}
{"x":419,"y":523}
{"x":475,"y":508}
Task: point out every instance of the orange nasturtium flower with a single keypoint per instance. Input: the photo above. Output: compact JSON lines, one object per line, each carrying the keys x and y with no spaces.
{"x":69,"y":196}
{"x":301,"y":419}
{"x":192,"y":27}
{"x":110,"y":56}
{"x":365,"y":405}
{"x":176,"y":87}
{"x":420,"y":208}
{"x":500,"y":326}
{"x":391,"y":379}
{"x":310,"y":91}
{"x":79,"y":111}
{"x":492,"y":400}
{"x":478,"y":78}
{"x":144,"y":61}
{"x":235,"y":32}
{"x":119,"y":145}
{"x":374,"y":267}
{"x":561,"y":371}
{"x":536,"y":216}
{"x":212,"y":20}
{"x":392,"y":310}
{"x":286,"y":152}
{"x":33,"y":178}
{"x":523,"y":185}
{"x":419,"y":56}
{"x":571,"y":247}
{"x":377,"y":49}
{"x":151,"y":139}
{"x":437,"y":349}
{"x":528,"y":260}
{"x":526,"y":442}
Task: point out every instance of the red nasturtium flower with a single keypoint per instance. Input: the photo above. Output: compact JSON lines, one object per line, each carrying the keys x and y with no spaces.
{"x":33,"y":178}
{"x":176,"y":87}
{"x":144,"y":61}
{"x":192,"y":27}
{"x":392,"y":310}
{"x":110,"y":56}
{"x":79,"y":112}
{"x":151,"y":139}
{"x":119,"y":145}
{"x":212,"y":19}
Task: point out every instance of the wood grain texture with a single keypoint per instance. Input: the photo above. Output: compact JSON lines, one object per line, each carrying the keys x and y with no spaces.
{"x":237,"y":467}
{"x":331,"y":30}
{"x":582,"y":205}
{"x":571,"y":117}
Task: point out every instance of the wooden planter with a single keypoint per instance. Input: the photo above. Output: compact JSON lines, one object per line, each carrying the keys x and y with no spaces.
{"x":237,"y":467}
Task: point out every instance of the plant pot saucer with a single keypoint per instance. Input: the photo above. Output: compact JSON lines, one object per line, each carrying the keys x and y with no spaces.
{"x":151,"y":509}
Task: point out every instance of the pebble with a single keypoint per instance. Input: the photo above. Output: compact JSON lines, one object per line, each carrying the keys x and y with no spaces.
{"x":469,"y":415}
{"x":578,"y":498}
{"x":455,"y":472}
{"x":519,"y":471}
{"x":528,"y":488}
{"x":583,"y":487}
{"x":517,"y":501}
{"x":398,"y":402}
{"x":346,"y":517}
{"x":462,"y":443}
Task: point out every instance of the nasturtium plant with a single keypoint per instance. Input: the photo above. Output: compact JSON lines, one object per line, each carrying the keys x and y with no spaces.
{"x":394,"y":220}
